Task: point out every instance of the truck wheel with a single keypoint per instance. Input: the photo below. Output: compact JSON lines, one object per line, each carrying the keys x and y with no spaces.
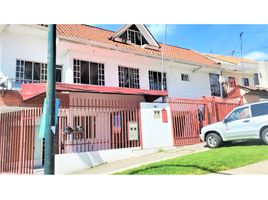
{"x":213,"y":140}
{"x":264,"y":135}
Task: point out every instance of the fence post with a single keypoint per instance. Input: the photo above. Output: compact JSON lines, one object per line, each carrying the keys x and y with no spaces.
{"x":21,"y":142}
{"x":241,"y":100}
{"x":214,"y":109}
{"x":171,"y":104}
{"x":140,"y":126}
{"x":204,"y":102}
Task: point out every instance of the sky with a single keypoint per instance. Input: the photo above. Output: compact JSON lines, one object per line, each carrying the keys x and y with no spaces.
{"x":221,"y":39}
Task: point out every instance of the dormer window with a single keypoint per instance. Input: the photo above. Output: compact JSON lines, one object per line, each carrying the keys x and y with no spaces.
{"x":136,"y":34}
{"x":135,"y":37}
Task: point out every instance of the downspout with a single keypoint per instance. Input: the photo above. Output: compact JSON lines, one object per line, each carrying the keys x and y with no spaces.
{"x":194,"y":70}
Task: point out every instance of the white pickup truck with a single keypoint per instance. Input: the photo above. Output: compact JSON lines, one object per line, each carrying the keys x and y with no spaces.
{"x":249,"y":121}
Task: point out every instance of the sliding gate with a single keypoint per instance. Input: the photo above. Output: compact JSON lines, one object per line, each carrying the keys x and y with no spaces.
{"x":87,"y":124}
{"x":190,"y":115}
{"x":92,"y":124}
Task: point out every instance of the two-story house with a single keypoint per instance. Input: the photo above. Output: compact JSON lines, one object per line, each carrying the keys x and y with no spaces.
{"x":102,"y":76}
{"x":128,"y":62}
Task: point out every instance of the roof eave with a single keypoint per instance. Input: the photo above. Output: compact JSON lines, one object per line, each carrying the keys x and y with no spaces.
{"x":112,"y":47}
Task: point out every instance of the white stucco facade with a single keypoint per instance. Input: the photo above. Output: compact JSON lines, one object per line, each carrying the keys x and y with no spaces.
{"x":155,"y":132}
{"x":29,"y":43}
{"x":263,"y":73}
{"x":238,"y":77}
{"x":20,"y":42}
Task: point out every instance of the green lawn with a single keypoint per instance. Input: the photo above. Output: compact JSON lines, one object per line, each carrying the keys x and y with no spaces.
{"x":211,"y":161}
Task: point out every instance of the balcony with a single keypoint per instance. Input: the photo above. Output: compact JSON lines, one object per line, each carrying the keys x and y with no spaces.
{"x":230,"y":90}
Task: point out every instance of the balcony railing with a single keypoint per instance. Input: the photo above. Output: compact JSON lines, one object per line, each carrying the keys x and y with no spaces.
{"x":230,"y":91}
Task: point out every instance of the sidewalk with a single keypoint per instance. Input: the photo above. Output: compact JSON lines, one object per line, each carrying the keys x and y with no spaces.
{"x":125,"y":164}
{"x":260,"y":168}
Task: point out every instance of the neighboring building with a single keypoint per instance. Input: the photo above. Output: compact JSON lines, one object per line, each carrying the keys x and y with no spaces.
{"x":130,"y":58}
{"x":236,"y":71}
{"x":263,"y":73}
{"x":253,"y":94}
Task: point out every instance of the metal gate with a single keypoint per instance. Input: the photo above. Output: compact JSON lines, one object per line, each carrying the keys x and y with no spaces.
{"x":190,"y":115}
{"x":91,"y":124}
{"x":17,"y":131}
{"x":87,"y":124}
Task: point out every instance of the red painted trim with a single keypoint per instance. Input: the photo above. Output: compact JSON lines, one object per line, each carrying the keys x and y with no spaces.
{"x":34,"y":89}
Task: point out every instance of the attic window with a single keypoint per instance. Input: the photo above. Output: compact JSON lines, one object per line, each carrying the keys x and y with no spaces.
{"x":135,"y":37}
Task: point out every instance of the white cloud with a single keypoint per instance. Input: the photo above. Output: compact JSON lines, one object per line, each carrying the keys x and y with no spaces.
{"x":257,"y":55}
{"x":157,"y":30}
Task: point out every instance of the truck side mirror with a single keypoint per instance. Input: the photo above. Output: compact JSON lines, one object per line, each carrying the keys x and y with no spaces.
{"x":225,"y":121}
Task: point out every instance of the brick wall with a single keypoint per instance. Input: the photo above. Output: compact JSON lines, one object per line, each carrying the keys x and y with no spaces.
{"x":14,"y":98}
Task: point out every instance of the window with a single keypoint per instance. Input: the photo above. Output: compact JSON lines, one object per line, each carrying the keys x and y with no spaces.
{"x":245,"y":81}
{"x":88,"y":124}
{"x":44,"y":73}
{"x":88,"y":72}
{"x":231,"y":81}
{"x":134,"y":36}
{"x":34,"y":72}
{"x":184,"y":77}
{"x":58,"y":73}
{"x":128,"y":77}
{"x":256,"y":79}
{"x":155,"y":80}
{"x":238,"y":114}
{"x":27,"y":72}
{"x":76,"y":71}
{"x":259,"y":109}
{"x":215,"y":84}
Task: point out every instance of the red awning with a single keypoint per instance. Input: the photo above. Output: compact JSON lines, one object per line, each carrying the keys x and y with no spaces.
{"x":34,"y":89}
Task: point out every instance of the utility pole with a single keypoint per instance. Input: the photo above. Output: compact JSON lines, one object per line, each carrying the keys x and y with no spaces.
{"x":241,"y":49}
{"x":162,"y":61}
{"x":50,"y":102}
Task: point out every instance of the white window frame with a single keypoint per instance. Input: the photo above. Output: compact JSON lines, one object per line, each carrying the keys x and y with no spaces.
{"x":151,"y":80}
{"x":77,"y":69}
{"x":21,"y":71}
{"x":136,"y":77}
{"x":135,"y":33}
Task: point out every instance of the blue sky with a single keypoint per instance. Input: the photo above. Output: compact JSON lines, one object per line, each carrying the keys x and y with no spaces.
{"x":218,"y":39}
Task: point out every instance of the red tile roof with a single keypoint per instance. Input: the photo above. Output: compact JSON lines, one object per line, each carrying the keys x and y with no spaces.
{"x":91,"y":33}
{"x":231,"y":59}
